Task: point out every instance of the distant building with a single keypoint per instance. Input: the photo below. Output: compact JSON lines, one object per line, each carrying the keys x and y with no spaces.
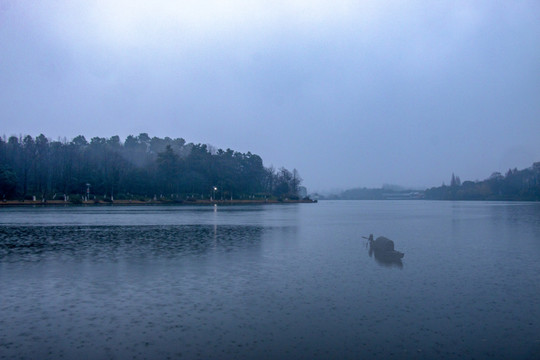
{"x":410,"y":195}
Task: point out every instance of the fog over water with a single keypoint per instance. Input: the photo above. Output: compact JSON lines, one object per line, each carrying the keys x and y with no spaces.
{"x":349,"y":93}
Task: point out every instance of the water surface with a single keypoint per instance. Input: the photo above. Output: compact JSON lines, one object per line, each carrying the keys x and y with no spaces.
{"x":270,"y":281}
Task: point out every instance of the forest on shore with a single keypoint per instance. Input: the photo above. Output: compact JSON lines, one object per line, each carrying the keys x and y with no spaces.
{"x":140,"y":168}
{"x":515,"y":185}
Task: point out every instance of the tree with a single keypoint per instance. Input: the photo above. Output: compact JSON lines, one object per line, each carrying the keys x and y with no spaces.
{"x":295,"y":182}
{"x":79,"y":141}
{"x":8,"y":183}
{"x":167,"y":162}
{"x":28,"y":159}
{"x":283,"y":183}
{"x":141,"y":166}
{"x":455,"y":181}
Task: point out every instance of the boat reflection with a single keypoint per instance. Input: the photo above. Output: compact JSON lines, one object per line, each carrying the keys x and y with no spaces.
{"x":383,"y":259}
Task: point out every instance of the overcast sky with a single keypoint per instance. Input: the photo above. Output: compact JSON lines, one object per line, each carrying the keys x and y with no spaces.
{"x":351,"y":93}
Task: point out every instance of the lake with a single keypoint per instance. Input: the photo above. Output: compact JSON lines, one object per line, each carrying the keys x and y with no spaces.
{"x":291,"y":281}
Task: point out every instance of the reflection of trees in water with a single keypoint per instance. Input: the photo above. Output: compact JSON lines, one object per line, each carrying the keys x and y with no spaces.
{"x":97,"y":243}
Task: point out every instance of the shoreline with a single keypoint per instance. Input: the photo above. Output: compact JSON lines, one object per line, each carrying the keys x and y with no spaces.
{"x":150,"y":202}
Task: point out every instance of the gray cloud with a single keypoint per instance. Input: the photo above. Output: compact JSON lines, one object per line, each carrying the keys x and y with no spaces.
{"x":350,"y":96}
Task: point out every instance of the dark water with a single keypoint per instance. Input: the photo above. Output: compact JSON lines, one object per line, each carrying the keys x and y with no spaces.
{"x":280,"y":281}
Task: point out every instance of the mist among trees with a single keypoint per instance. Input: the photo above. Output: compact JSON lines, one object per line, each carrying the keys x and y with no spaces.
{"x":139,"y":168}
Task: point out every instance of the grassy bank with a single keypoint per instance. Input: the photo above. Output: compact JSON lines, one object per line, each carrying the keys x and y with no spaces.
{"x":150,"y":202}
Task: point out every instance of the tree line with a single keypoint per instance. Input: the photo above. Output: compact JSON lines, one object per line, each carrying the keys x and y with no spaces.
{"x":141,"y":167}
{"x":523,"y":185}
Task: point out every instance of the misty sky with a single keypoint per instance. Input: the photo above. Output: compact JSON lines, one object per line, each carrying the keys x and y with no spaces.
{"x":351,"y":93}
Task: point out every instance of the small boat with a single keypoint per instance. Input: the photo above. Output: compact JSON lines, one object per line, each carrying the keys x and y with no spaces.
{"x":384,"y":248}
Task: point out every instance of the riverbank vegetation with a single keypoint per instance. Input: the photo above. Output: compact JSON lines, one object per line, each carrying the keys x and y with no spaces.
{"x":139,"y":169}
{"x":519,"y":185}
{"x":515,"y":185}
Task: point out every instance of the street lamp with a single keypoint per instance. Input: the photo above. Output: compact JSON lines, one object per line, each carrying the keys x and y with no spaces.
{"x":214,"y":195}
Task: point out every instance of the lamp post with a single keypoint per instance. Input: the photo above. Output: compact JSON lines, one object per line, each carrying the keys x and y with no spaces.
{"x":214,"y":192}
